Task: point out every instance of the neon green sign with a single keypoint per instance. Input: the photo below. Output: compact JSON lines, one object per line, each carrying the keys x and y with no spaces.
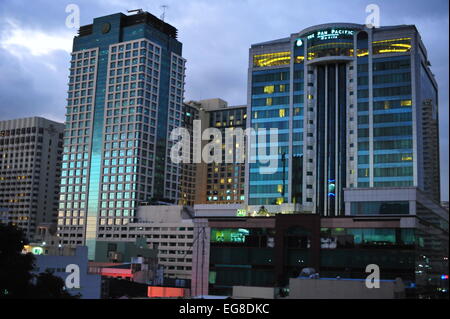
{"x":331,"y":34}
{"x":37,"y":251}
{"x":241,"y":213}
{"x":229,"y":235}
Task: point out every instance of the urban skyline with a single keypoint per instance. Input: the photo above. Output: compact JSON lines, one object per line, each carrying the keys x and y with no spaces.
{"x":325,"y":165}
{"x":49,"y":56}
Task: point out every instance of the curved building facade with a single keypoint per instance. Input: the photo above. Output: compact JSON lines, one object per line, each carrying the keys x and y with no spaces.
{"x":355,"y":107}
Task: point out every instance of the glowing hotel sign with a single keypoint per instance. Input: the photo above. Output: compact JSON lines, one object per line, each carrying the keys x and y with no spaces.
{"x":331,"y":34}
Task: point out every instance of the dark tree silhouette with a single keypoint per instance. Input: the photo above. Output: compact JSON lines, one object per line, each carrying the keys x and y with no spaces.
{"x":15,"y":267}
{"x":48,"y":286}
{"x":16,"y":278}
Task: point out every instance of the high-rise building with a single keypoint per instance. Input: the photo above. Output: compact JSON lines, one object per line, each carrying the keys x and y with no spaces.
{"x":126,"y":89}
{"x":189,"y":179}
{"x":216,"y":183}
{"x":356,"y":108}
{"x":30,"y":172}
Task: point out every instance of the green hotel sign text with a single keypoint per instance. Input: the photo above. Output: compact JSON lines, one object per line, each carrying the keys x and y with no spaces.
{"x":330,"y":34}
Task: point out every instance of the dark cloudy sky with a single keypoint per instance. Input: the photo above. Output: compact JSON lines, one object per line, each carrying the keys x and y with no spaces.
{"x":216,"y":34}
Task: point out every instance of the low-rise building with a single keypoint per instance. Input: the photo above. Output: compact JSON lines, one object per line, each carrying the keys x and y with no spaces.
{"x":166,"y":229}
{"x":406,"y":240}
{"x":62,"y":262}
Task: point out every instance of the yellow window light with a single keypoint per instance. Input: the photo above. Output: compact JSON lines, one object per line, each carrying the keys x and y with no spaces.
{"x":392,"y":40}
{"x":392,"y":46}
{"x":406,"y":103}
{"x":269,"y":89}
{"x":392,"y":50}
{"x":272,"y":59}
{"x":299,"y":59}
{"x":362,"y":52}
{"x":282,"y":112}
{"x":269,"y":101}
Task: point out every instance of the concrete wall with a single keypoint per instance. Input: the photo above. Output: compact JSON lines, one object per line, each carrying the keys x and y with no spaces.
{"x":342,"y":289}
{"x":90,"y":285}
{"x":242,"y":292}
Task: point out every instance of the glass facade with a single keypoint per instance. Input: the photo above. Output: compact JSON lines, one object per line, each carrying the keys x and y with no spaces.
{"x":353,"y":109}
{"x":247,"y":257}
{"x":347,"y":252}
{"x":380,"y":208}
{"x":392,"y":122}
{"x":412,"y":254}
{"x":125,"y":93}
{"x":270,"y":108}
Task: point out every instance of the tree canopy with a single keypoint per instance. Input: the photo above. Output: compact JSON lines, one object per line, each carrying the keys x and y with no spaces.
{"x":16,"y":278}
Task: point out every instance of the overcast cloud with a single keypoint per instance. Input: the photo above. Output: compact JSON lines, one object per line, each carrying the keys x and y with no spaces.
{"x":216,"y":36}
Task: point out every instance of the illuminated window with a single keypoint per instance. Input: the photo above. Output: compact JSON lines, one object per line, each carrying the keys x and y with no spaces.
{"x":269,"y":89}
{"x":406,"y":103}
{"x":386,"y":105}
{"x":407,"y":158}
{"x":280,"y":188}
{"x":272,"y":59}
{"x":330,"y":49}
{"x":282,"y":112}
{"x":282,"y":88}
{"x":362,"y":52}
{"x":299,"y":59}
{"x":391,"y":46}
{"x":269,"y":101}
{"x":310,"y":97}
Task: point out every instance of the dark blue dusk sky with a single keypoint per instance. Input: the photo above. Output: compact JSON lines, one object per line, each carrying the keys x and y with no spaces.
{"x":216,"y":36}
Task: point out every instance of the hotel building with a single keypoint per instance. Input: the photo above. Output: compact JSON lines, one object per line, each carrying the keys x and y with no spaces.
{"x":126,"y":89}
{"x":355,"y":108}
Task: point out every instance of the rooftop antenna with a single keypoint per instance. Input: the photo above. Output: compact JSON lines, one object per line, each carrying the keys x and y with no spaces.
{"x":138,"y":11}
{"x":163,"y":15}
